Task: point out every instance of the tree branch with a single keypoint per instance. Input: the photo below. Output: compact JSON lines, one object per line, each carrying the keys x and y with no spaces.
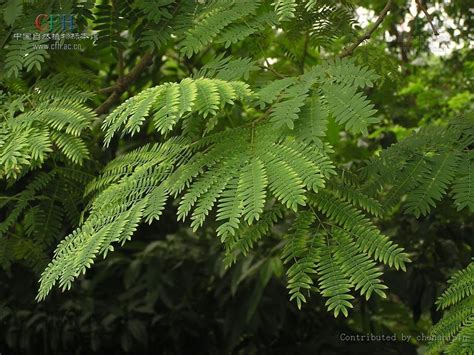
{"x":125,"y":81}
{"x":269,"y":67}
{"x":428,"y":17}
{"x":107,"y":90}
{"x":267,"y":64}
{"x":349,"y":50}
{"x":122,"y":84}
{"x":6,"y":37}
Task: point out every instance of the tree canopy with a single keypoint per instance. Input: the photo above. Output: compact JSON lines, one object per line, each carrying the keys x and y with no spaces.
{"x":236,"y":176}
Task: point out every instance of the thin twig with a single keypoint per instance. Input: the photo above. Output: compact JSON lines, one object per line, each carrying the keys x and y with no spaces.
{"x":106,"y":90}
{"x":120,"y":63}
{"x":268,"y":67}
{"x":122,"y":84}
{"x":265,"y":115}
{"x":428,"y":17}
{"x":348,"y":51}
{"x":5,"y":38}
{"x":125,"y":81}
{"x":267,"y":63}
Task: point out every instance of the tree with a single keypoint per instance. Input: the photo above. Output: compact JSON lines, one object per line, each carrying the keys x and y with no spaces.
{"x":236,"y":105}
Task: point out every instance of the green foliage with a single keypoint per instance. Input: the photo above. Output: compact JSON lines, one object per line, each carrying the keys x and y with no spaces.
{"x":170,"y":103}
{"x":212,"y":21}
{"x":424,"y":166}
{"x":38,"y":123}
{"x":348,"y":191}
{"x":26,"y":54}
{"x":341,"y":98}
{"x":228,"y":68}
{"x":43,"y":129}
{"x":208,"y":172}
{"x":349,"y":108}
{"x":334,"y":283}
{"x":463,"y":187}
{"x":240,"y":31}
{"x":435,"y":154}
{"x":36,"y":216}
{"x":285,"y":9}
{"x":301,"y":250}
{"x":362,"y":271}
{"x":432,"y":187}
{"x":246,"y":123}
{"x":108,"y":19}
{"x":368,"y":238}
{"x":13,"y":9}
{"x":236,"y":181}
{"x":455,"y":328}
{"x":321,"y":22}
{"x":248,"y":235}
{"x":342,"y":251}
{"x":347,"y":73}
{"x":21,"y":53}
